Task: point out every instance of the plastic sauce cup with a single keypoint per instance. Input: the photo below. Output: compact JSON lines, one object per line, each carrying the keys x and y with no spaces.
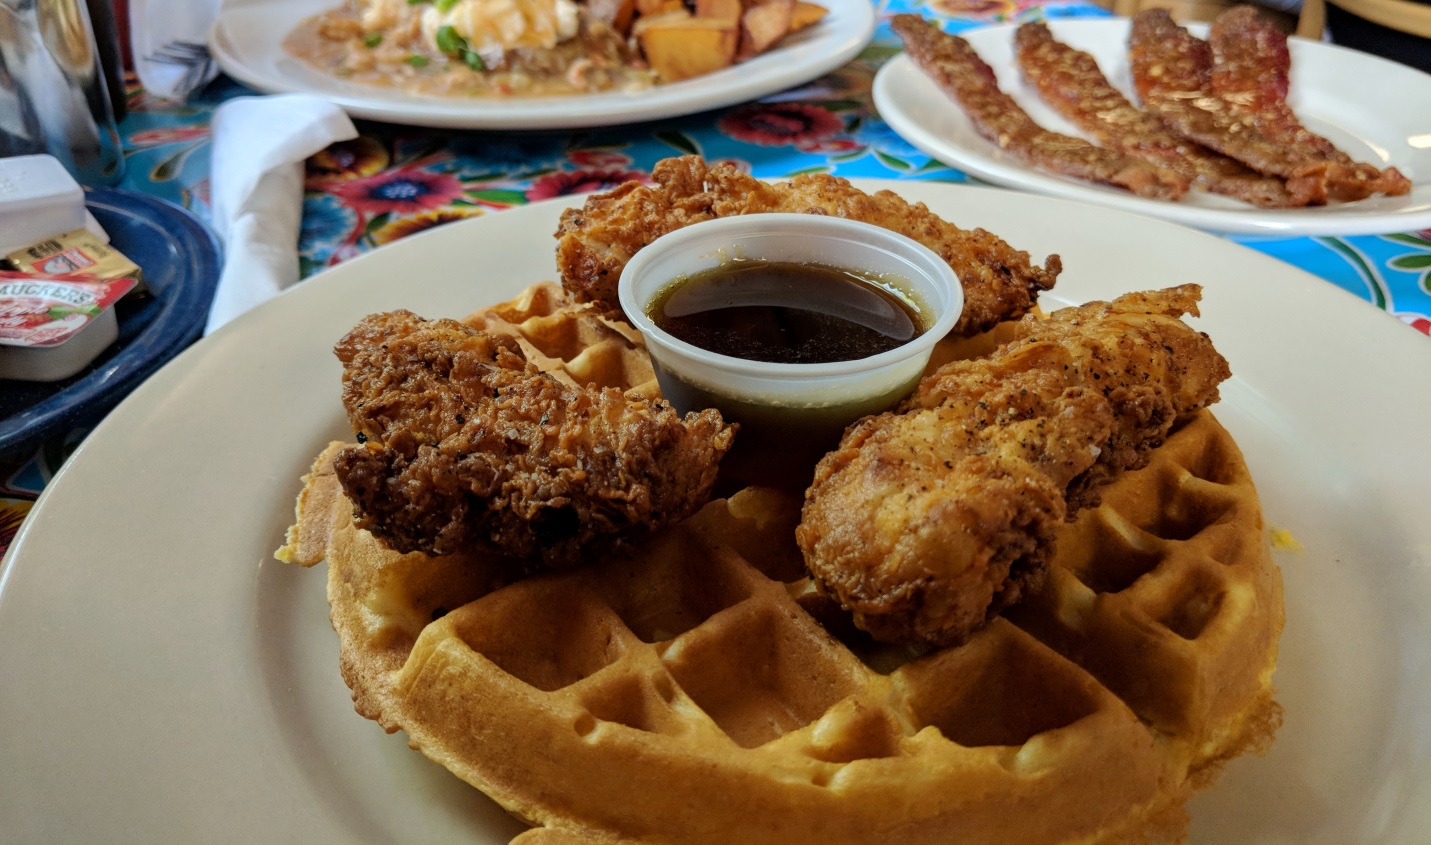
{"x":790,"y":414}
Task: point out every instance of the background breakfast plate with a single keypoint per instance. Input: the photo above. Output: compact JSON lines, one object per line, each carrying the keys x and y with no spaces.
{"x":247,"y":42}
{"x":165,"y":678}
{"x":1368,"y":106}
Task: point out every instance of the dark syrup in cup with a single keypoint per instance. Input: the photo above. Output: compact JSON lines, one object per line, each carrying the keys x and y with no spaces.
{"x":785,"y":312}
{"x":835,"y":321}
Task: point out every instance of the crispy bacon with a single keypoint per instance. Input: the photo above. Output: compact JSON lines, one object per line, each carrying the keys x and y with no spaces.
{"x":1071,"y":82}
{"x":965,"y":78}
{"x":1172,"y":74}
{"x":1251,"y":74}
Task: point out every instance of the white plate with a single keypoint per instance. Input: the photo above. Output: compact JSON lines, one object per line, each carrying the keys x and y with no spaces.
{"x":1374,"y":109}
{"x":247,"y":42}
{"x":163,"y":679}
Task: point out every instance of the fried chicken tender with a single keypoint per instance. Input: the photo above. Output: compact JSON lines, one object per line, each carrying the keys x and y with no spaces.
{"x":594,"y":242}
{"x":930,"y":519}
{"x":466,"y":444}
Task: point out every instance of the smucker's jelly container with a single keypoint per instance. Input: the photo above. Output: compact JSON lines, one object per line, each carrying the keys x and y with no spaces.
{"x":790,"y":413}
{"x":51,"y":327}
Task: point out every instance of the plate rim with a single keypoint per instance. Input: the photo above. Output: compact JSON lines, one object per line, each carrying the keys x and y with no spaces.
{"x":991,"y":165}
{"x":821,"y":51}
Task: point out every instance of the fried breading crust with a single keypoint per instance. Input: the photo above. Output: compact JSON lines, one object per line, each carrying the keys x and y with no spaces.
{"x":930,"y":519}
{"x":468,"y":445}
{"x":594,"y":242}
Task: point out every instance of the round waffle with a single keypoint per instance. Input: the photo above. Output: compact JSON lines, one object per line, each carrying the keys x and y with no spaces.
{"x":700,"y":690}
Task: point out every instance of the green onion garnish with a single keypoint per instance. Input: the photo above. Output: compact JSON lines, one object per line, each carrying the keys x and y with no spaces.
{"x":452,"y":44}
{"x":417,"y":61}
{"x":449,"y":42}
{"x":372,"y":39}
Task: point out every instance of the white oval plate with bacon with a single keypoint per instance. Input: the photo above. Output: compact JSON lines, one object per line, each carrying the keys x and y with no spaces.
{"x":1366,"y":105}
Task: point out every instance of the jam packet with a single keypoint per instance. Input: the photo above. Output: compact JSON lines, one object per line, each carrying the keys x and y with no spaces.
{"x":52,"y":326}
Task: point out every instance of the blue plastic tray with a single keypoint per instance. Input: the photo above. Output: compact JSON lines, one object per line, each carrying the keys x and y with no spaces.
{"x":180,"y":258}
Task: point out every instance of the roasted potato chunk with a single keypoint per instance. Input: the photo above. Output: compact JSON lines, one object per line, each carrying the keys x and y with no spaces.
{"x":680,"y":45}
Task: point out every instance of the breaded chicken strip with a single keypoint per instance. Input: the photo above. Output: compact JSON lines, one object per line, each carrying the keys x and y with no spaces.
{"x":465,"y":444}
{"x":930,"y":519}
{"x":596,"y":240}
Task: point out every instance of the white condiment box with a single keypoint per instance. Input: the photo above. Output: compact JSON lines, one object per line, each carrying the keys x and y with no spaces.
{"x":39,"y":199}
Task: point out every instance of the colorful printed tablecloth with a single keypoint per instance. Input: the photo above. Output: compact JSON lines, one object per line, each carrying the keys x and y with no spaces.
{"x":394,"y":181}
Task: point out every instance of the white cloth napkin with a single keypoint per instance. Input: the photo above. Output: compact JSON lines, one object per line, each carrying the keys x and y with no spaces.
{"x":259,"y":145}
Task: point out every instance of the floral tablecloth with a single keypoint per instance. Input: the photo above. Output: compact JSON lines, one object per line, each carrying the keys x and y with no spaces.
{"x":393,"y":181}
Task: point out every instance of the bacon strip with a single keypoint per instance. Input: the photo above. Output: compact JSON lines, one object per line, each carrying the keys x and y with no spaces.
{"x":1071,"y":82}
{"x":1172,"y":74}
{"x":1251,"y":74}
{"x":965,"y":78}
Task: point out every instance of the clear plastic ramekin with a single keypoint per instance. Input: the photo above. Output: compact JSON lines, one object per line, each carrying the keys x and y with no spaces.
{"x":789,"y":413}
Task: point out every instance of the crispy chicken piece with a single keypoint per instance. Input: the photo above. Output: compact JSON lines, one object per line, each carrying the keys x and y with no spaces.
{"x":596,"y":240}
{"x":930,"y":519}
{"x":465,"y":444}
